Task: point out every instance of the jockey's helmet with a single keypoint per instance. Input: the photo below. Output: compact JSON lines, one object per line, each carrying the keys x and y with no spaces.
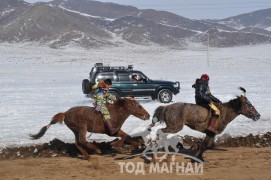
{"x":105,"y":84}
{"x":101,"y":84}
{"x":205,"y":77}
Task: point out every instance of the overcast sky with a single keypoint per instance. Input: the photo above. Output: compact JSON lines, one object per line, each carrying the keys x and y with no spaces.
{"x":196,"y":9}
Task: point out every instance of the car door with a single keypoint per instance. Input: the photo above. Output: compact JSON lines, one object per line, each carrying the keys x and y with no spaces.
{"x":124,"y":83}
{"x":142,"y":86}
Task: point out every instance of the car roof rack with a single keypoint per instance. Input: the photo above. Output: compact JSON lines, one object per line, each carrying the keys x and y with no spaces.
{"x":101,"y":67}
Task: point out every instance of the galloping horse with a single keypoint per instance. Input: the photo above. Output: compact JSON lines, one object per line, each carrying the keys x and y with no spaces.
{"x":83,"y":118}
{"x":196,"y":117}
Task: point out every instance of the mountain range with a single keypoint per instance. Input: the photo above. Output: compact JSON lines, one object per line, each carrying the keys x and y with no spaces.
{"x":91,"y":24}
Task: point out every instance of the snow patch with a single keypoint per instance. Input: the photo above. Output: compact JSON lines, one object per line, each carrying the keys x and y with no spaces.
{"x":87,"y":15}
{"x":5,"y":12}
{"x":38,"y":82}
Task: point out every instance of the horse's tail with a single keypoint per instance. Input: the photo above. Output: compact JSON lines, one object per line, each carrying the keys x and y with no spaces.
{"x":58,"y":118}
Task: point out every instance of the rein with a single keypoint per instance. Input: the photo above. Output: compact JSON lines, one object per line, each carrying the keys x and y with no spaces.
{"x":248,"y":106}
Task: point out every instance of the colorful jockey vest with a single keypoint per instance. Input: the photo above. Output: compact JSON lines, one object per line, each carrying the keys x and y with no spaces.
{"x":101,"y":96}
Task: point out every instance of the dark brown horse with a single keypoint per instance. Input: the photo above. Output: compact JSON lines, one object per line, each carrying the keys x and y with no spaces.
{"x":196,"y":117}
{"x":83,"y":119}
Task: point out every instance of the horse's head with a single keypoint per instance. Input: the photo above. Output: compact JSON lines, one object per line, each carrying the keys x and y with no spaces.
{"x":247,"y":109}
{"x":134,"y":108}
{"x":157,"y":116}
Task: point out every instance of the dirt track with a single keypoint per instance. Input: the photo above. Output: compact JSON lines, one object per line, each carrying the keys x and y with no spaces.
{"x":231,"y":163}
{"x":236,"y":158}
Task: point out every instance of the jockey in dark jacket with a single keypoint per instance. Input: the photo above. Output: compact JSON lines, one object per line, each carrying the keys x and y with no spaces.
{"x":205,"y":99}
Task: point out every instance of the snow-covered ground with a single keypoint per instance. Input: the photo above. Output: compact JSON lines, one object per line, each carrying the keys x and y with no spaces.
{"x":38,"y":82}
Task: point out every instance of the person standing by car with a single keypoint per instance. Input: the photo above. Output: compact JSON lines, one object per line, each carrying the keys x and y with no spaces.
{"x":101,"y":96}
{"x":205,"y":99}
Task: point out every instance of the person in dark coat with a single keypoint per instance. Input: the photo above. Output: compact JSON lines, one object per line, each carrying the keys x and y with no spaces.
{"x":205,"y":99}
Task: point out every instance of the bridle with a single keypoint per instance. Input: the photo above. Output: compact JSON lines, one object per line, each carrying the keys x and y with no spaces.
{"x":248,"y":106}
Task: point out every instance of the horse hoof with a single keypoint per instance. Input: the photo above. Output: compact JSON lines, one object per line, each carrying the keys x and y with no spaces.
{"x":98,"y":151}
{"x":88,"y":158}
{"x":200,"y":158}
{"x":94,"y":162}
{"x":116,"y":144}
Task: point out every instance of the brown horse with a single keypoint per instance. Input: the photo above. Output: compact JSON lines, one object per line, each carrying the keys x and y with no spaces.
{"x":196,"y":117}
{"x":83,"y":119}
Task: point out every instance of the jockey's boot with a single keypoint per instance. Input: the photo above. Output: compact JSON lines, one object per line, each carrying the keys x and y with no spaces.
{"x":212,"y":124}
{"x":110,"y":127}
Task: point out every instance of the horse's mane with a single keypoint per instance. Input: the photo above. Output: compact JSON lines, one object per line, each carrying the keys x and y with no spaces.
{"x":235,"y":103}
{"x":120,"y":102}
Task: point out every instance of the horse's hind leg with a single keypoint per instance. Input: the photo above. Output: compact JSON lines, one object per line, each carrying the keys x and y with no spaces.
{"x":79,"y":147}
{"x":83,"y":141}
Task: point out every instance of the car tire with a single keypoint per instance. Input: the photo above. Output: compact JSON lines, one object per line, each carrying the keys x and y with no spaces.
{"x":165,"y":96}
{"x":114,"y":93}
{"x":86,"y":86}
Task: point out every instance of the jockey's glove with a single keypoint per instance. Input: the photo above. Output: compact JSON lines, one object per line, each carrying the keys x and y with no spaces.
{"x":97,"y":108}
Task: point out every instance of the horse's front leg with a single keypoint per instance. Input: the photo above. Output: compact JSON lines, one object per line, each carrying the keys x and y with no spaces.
{"x":123,"y":137}
{"x":204,"y":145}
{"x":211,"y":143}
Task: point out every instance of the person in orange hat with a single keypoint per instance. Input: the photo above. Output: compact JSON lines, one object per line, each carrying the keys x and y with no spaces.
{"x":101,"y":96}
{"x":205,"y":99}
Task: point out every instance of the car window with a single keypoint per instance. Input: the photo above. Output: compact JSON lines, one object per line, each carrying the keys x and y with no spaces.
{"x":124,"y":76}
{"x":106,"y":75}
{"x":137,"y":77}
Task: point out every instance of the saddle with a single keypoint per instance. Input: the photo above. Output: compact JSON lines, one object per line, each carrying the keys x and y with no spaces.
{"x":208,"y":118}
{"x":209,"y":115}
{"x":220,"y":117}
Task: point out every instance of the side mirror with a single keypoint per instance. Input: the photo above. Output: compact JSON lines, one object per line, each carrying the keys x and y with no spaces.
{"x":145,"y":80}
